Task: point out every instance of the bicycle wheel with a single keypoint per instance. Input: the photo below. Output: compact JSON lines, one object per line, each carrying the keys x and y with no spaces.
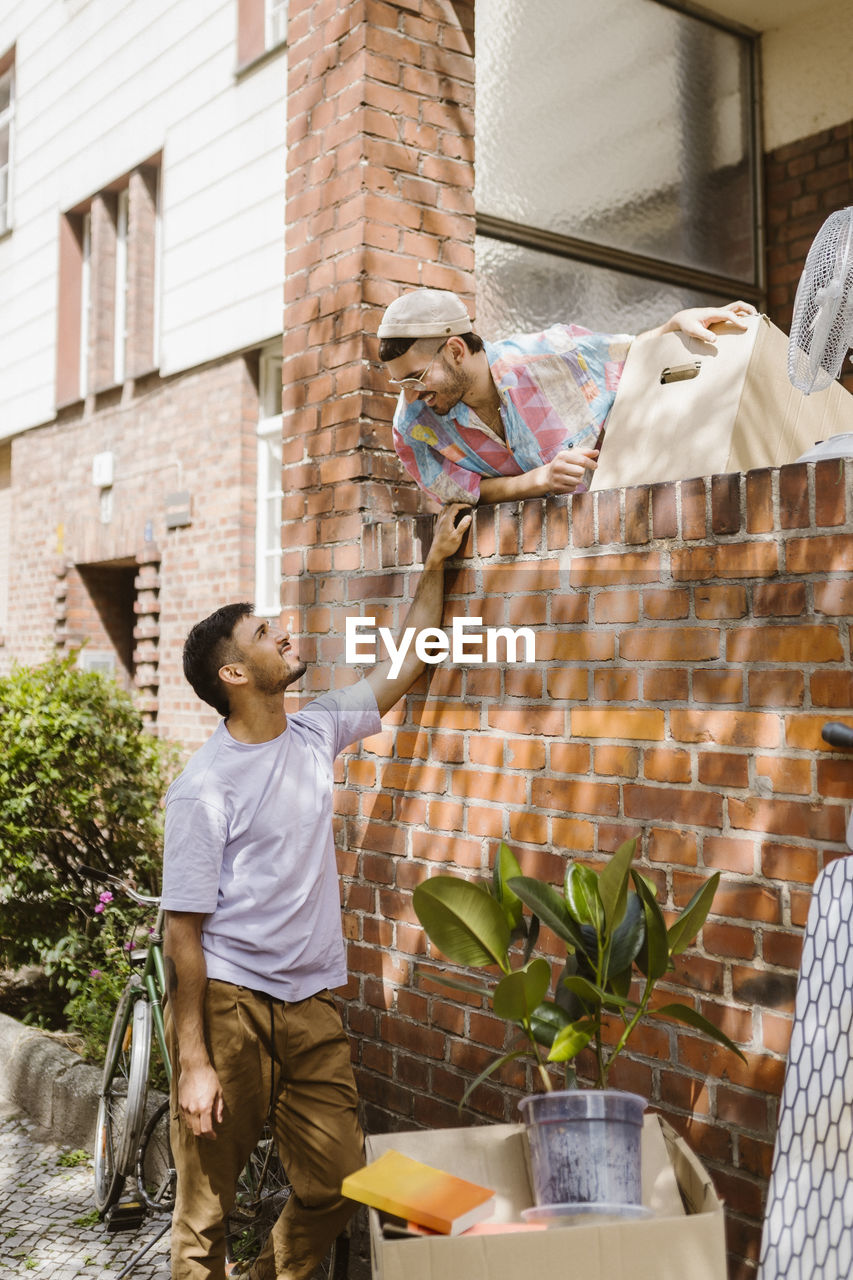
{"x":121,"y":1102}
{"x":262,"y":1192}
{"x":155,"y":1170}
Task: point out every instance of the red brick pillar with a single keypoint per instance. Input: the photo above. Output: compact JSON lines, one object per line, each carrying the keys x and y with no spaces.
{"x":379,"y":199}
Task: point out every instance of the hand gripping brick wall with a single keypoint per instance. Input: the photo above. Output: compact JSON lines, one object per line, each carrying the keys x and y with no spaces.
{"x":692,"y":639}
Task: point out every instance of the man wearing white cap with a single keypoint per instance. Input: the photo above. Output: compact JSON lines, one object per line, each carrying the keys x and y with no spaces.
{"x":519,"y":418}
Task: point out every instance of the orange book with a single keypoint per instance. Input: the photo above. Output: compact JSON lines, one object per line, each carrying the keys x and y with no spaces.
{"x":408,"y":1189}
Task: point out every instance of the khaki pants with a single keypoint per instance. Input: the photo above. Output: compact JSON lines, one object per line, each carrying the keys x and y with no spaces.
{"x":300,"y":1053}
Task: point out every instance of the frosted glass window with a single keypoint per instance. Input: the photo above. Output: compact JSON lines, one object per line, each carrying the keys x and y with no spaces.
{"x":521,"y":290}
{"x":624,"y":123}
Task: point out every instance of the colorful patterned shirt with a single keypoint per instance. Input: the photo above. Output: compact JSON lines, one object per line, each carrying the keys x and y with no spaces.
{"x":556,"y":389}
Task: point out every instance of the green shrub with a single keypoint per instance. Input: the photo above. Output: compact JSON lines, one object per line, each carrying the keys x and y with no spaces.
{"x":81,"y":784}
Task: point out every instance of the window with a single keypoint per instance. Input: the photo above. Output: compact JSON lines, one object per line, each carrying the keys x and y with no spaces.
{"x":268,"y":518}
{"x":120,"y":308}
{"x":261,"y":25}
{"x":108,"y":286}
{"x":276,"y":24}
{"x":7,"y":113}
{"x":626,"y":188}
{"x":85,"y":299}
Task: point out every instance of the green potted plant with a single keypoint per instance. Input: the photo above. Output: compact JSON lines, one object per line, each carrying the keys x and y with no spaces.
{"x":618,"y":946}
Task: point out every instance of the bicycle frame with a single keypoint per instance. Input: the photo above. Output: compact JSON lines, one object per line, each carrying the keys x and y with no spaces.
{"x":154,"y":981}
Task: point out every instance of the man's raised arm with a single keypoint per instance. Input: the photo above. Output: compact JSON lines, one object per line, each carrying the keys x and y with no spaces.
{"x":426,"y":608}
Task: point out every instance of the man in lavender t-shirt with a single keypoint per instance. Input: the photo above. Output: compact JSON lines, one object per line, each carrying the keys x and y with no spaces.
{"x":253,"y":934}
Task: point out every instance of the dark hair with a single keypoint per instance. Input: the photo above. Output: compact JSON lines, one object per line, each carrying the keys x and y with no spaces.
{"x":393,"y":348}
{"x":208,"y":646}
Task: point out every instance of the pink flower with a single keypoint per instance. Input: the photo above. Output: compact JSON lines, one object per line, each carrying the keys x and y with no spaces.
{"x":94,"y":973}
{"x":106,"y":896}
{"x":99,"y":908}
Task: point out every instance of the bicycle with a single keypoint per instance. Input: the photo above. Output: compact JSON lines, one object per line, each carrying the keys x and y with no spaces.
{"x":129,"y":1145}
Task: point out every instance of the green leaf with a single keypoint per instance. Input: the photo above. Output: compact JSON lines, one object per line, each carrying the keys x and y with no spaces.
{"x":613,"y":884}
{"x":591,"y":995}
{"x":506,"y":867}
{"x":569,"y":1041}
{"x":626,"y":942}
{"x":620,"y":984}
{"x":547,"y":1020}
{"x":583,"y":897}
{"x":532,"y":937}
{"x":519,"y":993}
{"x":694,"y":915}
{"x":463,"y":921}
{"x":653,"y":959}
{"x":456,"y":984}
{"x":546,"y":903}
{"x":686,"y":1014}
{"x":490,"y":1070}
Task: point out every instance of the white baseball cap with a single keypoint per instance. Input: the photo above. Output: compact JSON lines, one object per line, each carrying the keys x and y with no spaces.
{"x":425,"y":313}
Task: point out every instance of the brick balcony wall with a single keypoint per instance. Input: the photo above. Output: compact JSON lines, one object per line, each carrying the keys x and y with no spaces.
{"x":692,"y":639}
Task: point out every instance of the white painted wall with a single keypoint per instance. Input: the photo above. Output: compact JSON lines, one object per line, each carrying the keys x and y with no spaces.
{"x":808,"y":74}
{"x":101,"y":86}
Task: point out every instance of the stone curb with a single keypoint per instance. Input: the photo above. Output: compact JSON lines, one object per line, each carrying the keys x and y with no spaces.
{"x":50,"y":1083}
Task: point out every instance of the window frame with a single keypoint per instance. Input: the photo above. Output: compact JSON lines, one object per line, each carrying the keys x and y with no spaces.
{"x":7,"y":123}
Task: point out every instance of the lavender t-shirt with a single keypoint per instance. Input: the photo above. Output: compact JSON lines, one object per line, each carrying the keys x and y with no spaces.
{"x":249,"y":844}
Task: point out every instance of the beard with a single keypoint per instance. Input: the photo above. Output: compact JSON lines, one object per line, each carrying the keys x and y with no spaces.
{"x":455,"y":386}
{"x":271,"y":683}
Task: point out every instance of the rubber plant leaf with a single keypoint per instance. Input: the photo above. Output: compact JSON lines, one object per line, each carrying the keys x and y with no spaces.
{"x":544,"y":901}
{"x":653,"y":958}
{"x":591,"y":995}
{"x":613,"y":884}
{"x":626,"y":941}
{"x":684,"y":1013}
{"x":583,"y":897}
{"x":569,"y":1042}
{"x":467,"y":985}
{"x":547,"y":1020}
{"x":506,"y":867}
{"x":463,"y":921}
{"x":489,"y":1070}
{"x":694,"y":915}
{"x":519,"y":993}
{"x":532,"y":937}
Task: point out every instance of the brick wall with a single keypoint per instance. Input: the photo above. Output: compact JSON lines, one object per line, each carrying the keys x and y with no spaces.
{"x":806,"y":181}
{"x":193,"y":434}
{"x":691,"y":641}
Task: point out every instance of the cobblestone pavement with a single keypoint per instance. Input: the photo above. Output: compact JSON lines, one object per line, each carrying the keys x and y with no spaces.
{"x":47,"y":1223}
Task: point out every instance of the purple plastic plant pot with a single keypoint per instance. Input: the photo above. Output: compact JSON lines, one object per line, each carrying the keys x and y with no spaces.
{"x":585,"y":1146}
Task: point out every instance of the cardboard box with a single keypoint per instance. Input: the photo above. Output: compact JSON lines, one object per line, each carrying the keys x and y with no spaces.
{"x":683,"y":1240}
{"x":685,"y":408}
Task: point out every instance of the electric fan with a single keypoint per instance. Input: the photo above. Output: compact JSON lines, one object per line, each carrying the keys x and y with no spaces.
{"x":822,"y":327}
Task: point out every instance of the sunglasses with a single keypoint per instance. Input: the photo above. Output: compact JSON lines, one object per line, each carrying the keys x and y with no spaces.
{"x":416,"y":383}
